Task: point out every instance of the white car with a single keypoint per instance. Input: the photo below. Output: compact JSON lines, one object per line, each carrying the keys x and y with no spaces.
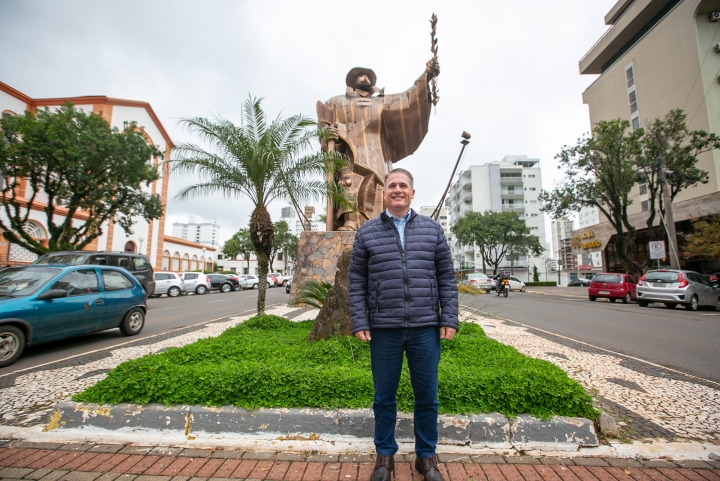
{"x":253,"y":281}
{"x":281,"y":278}
{"x":196,"y":282}
{"x":169,"y":283}
{"x":515,"y":284}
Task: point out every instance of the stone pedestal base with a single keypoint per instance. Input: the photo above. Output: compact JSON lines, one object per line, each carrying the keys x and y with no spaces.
{"x":318,"y":254}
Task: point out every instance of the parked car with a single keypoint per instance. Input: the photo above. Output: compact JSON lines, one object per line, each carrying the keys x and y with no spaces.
{"x":613,"y":286}
{"x":283,"y":279}
{"x":170,"y":284}
{"x":713,"y":276}
{"x":137,"y":264}
{"x":673,"y":287}
{"x":196,"y":282}
{"x":238,"y":283}
{"x":287,"y":286}
{"x":221,"y":282}
{"x":516,"y":284}
{"x":481,"y":281}
{"x":579,"y":282}
{"x":42,"y":303}
{"x":253,"y":281}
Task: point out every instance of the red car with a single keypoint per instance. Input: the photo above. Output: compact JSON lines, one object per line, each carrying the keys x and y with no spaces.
{"x":613,"y":286}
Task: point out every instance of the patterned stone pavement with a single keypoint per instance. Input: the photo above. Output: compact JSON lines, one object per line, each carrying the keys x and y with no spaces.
{"x":117,"y":462}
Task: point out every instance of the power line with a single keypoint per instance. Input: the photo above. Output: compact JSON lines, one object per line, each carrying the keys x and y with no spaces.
{"x":701,"y":65}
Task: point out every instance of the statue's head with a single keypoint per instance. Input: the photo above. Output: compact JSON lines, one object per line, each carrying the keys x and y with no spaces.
{"x":361,"y":78}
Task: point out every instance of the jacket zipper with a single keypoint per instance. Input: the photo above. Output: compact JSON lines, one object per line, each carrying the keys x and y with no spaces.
{"x":406,"y":289}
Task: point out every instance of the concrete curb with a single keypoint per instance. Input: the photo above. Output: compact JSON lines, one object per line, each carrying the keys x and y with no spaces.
{"x":484,"y":430}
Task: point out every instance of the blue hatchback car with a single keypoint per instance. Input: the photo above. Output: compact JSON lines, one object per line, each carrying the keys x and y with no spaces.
{"x":42,"y":303}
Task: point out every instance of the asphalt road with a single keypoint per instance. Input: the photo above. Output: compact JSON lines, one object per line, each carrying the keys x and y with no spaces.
{"x":164,"y":314}
{"x":686,"y":341}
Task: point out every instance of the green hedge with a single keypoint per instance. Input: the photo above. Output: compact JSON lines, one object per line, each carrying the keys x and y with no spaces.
{"x":267,"y":362}
{"x":538,"y":284}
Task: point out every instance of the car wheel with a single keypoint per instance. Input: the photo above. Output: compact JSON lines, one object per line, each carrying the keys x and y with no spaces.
{"x":522,"y":289}
{"x":693,"y":304}
{"x":237,"y":288}
{"x":268,"y":285}
{"x":626,"y":299}
{"x":612,"y":299}
{"x":155,"y":295}
{"x":173,"y":291}
{"x":284,"y":283}
{"x":643,"y":303}
{"x":226,"y":287}
{"x":133,"y":322}
{"x":592,"y":298}
{"x":255,"y":286}
{"x":201,"y":290}
{"x":670,"y":305}
{"x":12,"y":343}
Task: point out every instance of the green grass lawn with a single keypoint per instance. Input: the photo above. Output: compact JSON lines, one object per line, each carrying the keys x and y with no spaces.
{"x":266,"y":362}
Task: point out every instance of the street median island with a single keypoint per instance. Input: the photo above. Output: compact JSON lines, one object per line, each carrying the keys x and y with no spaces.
{"x":265,"y":365}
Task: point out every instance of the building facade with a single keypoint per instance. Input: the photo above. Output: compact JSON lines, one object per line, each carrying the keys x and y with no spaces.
{"x":512,"y":184}
{"x":657,"y":55}
{"x":442,"y":216}
{"x":148,"y":237}
{"x":206,"y":233}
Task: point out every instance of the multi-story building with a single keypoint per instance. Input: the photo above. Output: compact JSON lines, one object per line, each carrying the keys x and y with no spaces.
{"x":561,"y":233}
{"x":442,"y":216}
{"x":147,"y":237}
{"x":657,"y":55}
{"x":512,"y":184}
{"x":207,"y":233}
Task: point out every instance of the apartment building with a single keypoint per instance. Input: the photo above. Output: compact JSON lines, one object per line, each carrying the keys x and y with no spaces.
{"x":442,"y":216}
{"x":511,"y":184}
{"x":206,"y":233}
{"x":657,"y":55}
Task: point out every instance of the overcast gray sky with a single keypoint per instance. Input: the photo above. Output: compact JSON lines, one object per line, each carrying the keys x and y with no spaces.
{"x":509,"y":69}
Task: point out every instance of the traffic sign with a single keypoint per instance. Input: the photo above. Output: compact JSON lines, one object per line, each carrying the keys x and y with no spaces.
{"x":657,"y":250}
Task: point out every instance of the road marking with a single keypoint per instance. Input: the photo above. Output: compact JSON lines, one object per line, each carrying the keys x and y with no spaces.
{"x":478,"y":311}
{"x":164,"y":308}
{"x":710,"y":314}
{"x":223,"y":300}
{"x":137,"y":339}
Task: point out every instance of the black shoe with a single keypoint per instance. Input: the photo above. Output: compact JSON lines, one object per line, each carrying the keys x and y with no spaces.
{"x":384,"y":465}
{"x":429,"y":469}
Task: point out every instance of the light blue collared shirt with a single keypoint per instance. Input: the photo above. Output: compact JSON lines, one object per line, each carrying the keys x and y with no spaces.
{"x":400,"y":224}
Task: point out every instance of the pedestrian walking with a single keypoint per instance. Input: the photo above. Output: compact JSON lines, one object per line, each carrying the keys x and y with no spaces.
{"x":403,"y":300}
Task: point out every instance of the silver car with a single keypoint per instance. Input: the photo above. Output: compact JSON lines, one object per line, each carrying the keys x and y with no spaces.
{"x":196,"y":282}
{"x":170,"y":284}
{"x":673,"y":287}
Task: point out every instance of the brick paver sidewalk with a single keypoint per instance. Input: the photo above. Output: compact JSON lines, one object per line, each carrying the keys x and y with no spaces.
{"x":116,"y":462}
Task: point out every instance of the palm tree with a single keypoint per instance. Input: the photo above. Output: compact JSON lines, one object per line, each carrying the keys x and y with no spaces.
{"x":259,"y":161}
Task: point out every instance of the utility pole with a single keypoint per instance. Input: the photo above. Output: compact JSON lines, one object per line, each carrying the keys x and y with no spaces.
{"x":668,"y":219}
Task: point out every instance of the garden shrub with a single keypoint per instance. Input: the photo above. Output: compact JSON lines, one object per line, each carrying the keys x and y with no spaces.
{"x":266,"y":362}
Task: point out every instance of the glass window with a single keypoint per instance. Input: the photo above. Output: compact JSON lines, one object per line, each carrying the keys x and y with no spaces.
{"x":645,"y":206}
{"x":18,"y":282}
{"x":660,"y":276}
{"x":61,"y":259}
{"x":160,"y":276}
{"x":611,"y":278}
{"x":636,"y":123}
{"x":98,"y":260}
{"x":78,"y":283}
{"x":191,"y":276}
{"x":630,"y":77}
{"x":633,"y":102}
{"x":643,"y":188}
{"x":140,"y":264}
{"x":116,"y":281}
{"x":123,"y":262}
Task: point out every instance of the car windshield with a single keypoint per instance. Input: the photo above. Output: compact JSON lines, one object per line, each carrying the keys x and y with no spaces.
{"x":612,"y":278}
{"x":658,"y":276}
{"x":17,"y":282}
{"x":61,"y":259}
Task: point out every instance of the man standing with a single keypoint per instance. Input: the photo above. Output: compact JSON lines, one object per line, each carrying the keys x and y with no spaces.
{"x":403,"y":299}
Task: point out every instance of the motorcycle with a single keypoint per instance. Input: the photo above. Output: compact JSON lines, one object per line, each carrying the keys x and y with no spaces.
{"x":503,"y":288}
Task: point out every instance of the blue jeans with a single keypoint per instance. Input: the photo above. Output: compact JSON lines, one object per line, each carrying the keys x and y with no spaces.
{"x":422,"y":347}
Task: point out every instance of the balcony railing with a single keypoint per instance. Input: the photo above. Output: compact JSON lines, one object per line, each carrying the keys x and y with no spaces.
{"x":511,"y":181}
{"x":513,"y":208}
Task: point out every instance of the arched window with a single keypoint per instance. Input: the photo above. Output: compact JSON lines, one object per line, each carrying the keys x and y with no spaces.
{"x":20,"y":254}
{"x":208,"y":264}
{"x":130,"y":246}
{"x":195,"y":266}
{"x":166,"y":261}
{"x":186,"y":263}
{"x":176,"y":262}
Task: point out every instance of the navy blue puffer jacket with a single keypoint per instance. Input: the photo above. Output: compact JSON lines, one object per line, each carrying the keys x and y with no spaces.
{"x":390,"y":288}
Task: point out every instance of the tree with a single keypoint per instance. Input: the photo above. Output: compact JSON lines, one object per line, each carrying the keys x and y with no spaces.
{"x":670,"y":138}
{"x":599,"y":172}
{"x":704,"y":243}
{"x":496,"y":234}
{"x":282,"y":238}
{"x":258,"y":160}
{"x":85,"y":169}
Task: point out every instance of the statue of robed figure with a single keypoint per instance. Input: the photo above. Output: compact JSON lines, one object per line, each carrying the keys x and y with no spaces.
{"x":373,"y":131}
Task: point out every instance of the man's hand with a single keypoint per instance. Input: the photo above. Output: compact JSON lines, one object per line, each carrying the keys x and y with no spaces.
{"x":433,"y":68}
{"x":363,"y":335}
{"x":445,"y":333}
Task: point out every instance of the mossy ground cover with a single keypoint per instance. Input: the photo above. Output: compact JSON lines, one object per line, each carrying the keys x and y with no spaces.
{"x":266,"y":362}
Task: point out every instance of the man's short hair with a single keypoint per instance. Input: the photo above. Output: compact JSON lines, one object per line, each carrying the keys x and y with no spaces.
{"x":401,"y":171}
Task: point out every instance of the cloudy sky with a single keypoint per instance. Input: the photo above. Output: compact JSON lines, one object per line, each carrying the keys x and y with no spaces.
{"x":509,"y":69}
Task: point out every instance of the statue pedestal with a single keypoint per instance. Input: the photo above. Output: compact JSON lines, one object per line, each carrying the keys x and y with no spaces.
{"x":318,"y":254}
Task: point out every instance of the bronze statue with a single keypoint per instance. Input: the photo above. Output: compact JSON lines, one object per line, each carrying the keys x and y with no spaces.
{"x":373,"y":131}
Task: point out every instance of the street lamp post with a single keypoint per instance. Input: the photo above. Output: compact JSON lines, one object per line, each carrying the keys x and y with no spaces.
{"x":203,"y":258}
{"x":141,"y":239}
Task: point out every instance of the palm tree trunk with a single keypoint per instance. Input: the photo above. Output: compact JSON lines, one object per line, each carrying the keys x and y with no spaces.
{"x":262,"y":283}
{"x":262,"y":234}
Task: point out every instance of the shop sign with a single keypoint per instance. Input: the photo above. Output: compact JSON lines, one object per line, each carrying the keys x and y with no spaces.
{"x":591,"y":244}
